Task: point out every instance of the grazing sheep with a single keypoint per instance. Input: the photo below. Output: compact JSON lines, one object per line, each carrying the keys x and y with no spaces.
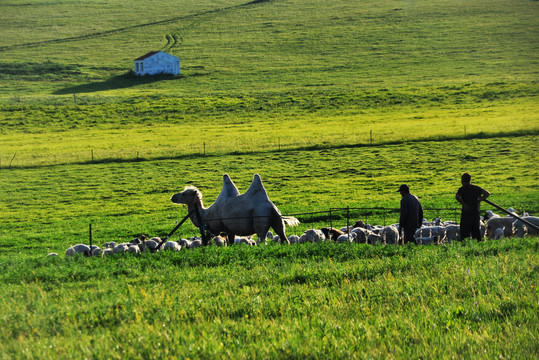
{"x":373,"y":238}
{"x":427,"y":240}
{"x":172,"y":245}
{"x":133,"y":249}
{"x":452,"y":232}
{"x":361,"y":235}
{"x":79,"y":249}
{"x":390,"y":235}
{"x":359,"y":224}
{"x":107,"y":252}
{"x":185,"y":243}
{"x":520,"y":229}
{"x":151,"y":244}
{"x":428,"y":231}
{"x":505,"y":223}
{"x":313,"y":236}
{"x":220,"y":240}
{"x":120,"y":248}
{"x":331,"y":233}
{"x":489,"y":215}
{"x":498,"y":234}
{"x":346,"y":238}
{"x":195,"y":243}
{"x":96,"y":251}
{"x":244,"y":240}
{"x":293,"y":239}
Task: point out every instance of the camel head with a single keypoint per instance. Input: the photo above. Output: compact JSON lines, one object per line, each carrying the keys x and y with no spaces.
{"x":189,"y":196}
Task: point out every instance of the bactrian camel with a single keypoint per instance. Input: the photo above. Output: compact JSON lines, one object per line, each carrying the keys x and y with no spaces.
{"x":236,"y":214}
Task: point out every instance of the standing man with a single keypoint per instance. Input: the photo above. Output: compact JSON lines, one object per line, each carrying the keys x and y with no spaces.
{"x":470,"y":196}
{"x":411,"y":214}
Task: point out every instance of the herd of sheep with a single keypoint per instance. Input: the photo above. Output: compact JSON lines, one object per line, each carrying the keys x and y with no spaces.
{"x":493,"y":226}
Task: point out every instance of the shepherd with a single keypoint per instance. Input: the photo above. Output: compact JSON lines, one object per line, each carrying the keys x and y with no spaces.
{"x":470,"y":197}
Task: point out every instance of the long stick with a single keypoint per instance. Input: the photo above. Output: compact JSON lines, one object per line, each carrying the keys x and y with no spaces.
{"x":174,"y":230}
{"x":511,"y":214}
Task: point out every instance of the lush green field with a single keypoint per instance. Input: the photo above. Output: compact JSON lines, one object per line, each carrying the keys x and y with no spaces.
{"x":307,"y":301}
{"x":335,"y":105}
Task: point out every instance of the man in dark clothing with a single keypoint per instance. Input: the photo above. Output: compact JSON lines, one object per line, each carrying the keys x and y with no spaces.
{"x":411,"y":214}
{"x":470,"y":196}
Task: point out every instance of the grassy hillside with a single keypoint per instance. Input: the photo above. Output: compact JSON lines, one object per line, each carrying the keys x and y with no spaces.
{"x":235,"y":47}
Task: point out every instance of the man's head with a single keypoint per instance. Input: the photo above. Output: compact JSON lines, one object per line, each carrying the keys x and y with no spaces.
{"x":466,"y":179}
{"x":404,"y":189}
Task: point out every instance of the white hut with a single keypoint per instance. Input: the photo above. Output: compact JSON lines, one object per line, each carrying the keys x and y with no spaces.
{"x":157,"y":62}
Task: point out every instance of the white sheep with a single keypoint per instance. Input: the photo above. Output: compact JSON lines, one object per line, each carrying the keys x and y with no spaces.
{"x":133,"y":249}
{"x":427,"y":240}
{"x":172,"y":245}
{"x":390,"y":235}
{"x":520,"y":229}
{"x":151,"y":244}
{"x":220,"y":240}
{"x":313,"y":236}
{"x":96,"y":251}
{"x":185,"y":243}
{"x":452,"y":232}
{"x":195,"y":243}
{"x":505,"y":223}
{"x":498,"y":233}
{"x":373,"y":238}
{"x":428,"y":231}
{"x":346,"y":238}
{"x":489,"y":215}
{"x":107,"y":252}
{"x":239,"y":240}
{"x":293,"y":239}
{"x":120,"y":248}
{"x":361,"y":235}
{"x":79,"y":249}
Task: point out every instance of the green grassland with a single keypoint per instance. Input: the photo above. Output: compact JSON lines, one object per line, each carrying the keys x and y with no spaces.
{"x":334,"y":104}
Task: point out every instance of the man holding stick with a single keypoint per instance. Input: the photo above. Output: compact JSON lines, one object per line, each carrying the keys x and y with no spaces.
{"x":470,"y":196}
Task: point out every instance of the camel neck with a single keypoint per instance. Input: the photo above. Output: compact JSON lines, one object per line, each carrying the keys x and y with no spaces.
{"x":194,"y":209}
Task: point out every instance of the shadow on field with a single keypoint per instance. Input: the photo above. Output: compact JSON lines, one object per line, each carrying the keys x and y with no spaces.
{"x":117,"y":82}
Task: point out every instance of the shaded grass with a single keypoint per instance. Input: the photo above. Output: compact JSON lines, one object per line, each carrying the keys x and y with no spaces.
{"x":350,"y":301}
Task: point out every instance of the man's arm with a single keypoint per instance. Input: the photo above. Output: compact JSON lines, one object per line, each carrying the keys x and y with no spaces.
{"x":459,"y":199}
{"x":484,"y":194}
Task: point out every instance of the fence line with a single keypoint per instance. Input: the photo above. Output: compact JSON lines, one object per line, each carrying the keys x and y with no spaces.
{"x":349,"y":215}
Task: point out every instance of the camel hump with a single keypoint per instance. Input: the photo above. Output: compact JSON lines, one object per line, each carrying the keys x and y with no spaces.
{"x":229,"y":189}
{"x":256,"y":187}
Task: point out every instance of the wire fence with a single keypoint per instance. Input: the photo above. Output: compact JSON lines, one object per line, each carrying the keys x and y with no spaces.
{"x":345,"y":217}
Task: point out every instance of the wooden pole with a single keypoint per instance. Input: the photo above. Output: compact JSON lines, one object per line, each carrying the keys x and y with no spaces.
{"x":511,"y":214}
{"x":90,"y":238}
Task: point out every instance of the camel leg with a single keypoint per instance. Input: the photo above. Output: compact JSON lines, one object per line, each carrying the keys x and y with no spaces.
{"x":230,"y":238}
{"x":278,"y":226}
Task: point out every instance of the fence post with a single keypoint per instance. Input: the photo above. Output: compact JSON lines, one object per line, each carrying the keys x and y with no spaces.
{"x":371,"y":137}
{"x":92,"y":155}
{"x":204,"y":144}
{"x":348,"y":220}
{"x":90,"y":231}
